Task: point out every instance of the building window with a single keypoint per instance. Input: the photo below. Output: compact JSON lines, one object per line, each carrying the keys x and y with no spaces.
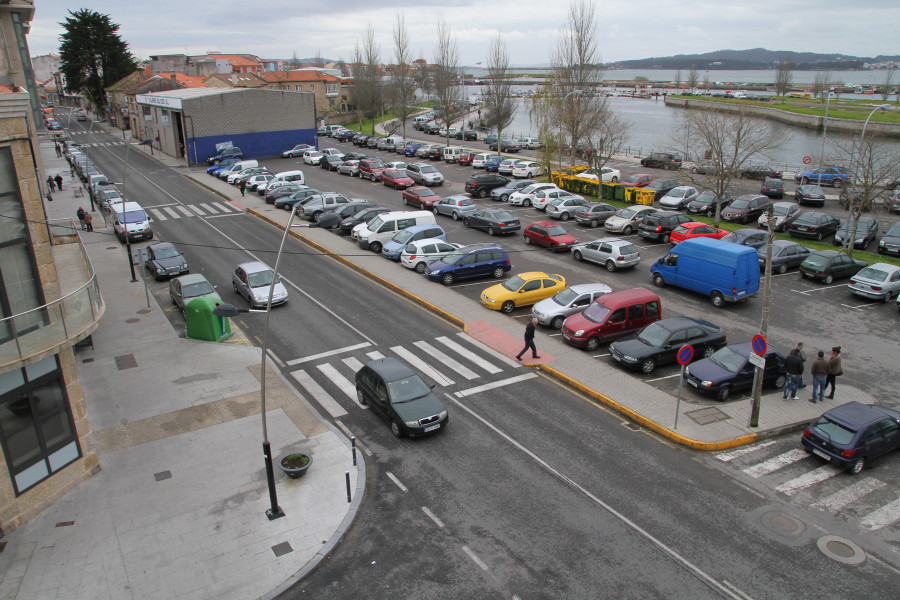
{"x":36,"y":427}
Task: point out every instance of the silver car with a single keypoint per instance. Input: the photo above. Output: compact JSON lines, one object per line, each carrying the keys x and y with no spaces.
{"x":419,"y":254}
{"x":187,"y":287}
{"x":612,"y":253}
{"x":456,"y":206}
{"x":552,"y":311}
{"x":564,"y":208}
{"x":253,"y":281}
{"x":424,"y":174}
{"x":877,"y":282}
{"x":678,"y":198}
{"x":785,"y":214}
{"x":626,"y":220}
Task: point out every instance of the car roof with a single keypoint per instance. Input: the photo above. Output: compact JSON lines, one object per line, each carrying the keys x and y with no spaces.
{"x":254,"y":266}
{"x":161,"y":245}
{"x":856,"y":414}
{"x":583,"y":288}
{"x":192,"y":278}
{"x":675,"y":323}
{"x":827,"y":253}
{"x":390,"y":369}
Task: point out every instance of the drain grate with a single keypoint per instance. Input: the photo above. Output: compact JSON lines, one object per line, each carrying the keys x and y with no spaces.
{"x":65,"y":523}
{"x":163,"y":475}
{"x":88,"y":360}
{"x":705,"y":416}
{"x":631,"y":426}
{"x":126,"y":361}
{"x":282,"y":549}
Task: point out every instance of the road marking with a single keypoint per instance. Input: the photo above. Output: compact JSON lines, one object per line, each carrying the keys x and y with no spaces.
{"x":158,"y":214}
{"x":374,"y":355}
{"x":861,"y":306}
{"x":197,"y":209}
{"x":494,"y":385}
{"x":233,"y":214}
{"x":820,"y":289}
{"x":274,"y":358}
{"x":773,"y":464}
{"x":504,"y":359}
{"x":421,"y":365}
{"x":354,"y":363}
{"x":446,"y":360}
{"x":319,"y":395}
{"x":339,"y":380}
{"x":475,"y":558}
{"x":806,"y":480}
{"x":184,"y":211}
{"x":172,"y":212}
{"x":851,"y":493}
{"x":729,"y":456}
{"x":735,"y":590}
{"x":297,"y":361}
{"x":432,"y":516}
{"x":661,"y":378}
{"x":396,"y":481}
{"x":209,"y":207}
{"x":600,"y":355}
{"x":884,"y":516}
{"x":466,"y":353}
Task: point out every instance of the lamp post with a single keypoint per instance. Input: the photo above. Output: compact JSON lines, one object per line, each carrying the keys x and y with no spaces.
{"x":824,"y":133}
{"x":851,"y":232}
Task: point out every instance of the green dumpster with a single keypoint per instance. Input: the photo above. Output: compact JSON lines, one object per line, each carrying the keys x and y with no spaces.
{"x":620,"y":192}
{"x":202,"y":324}
{"x":608,"y":191}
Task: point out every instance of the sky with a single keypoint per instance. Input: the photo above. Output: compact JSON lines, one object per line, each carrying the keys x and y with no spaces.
{"x":627,"y":29}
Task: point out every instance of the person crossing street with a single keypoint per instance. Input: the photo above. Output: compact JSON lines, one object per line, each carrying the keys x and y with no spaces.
{"x":529,"y":340}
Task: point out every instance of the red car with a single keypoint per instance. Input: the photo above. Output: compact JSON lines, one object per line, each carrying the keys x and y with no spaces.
{"x":465,"y":159}
{"x":637,"y":180}
{"x":550,"y":234}
{"x":396,"y":178}
{"x":420,"y":196}
{"x":693,"y":229}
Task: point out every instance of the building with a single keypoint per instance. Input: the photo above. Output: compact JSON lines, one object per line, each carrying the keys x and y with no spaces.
{"x":234,"y":80}
{"x":190,"y":123}
{"x":327,"y":88}
{"x":45,"y":66}
{"x":120,"y":96}
{"x":49,"y":302}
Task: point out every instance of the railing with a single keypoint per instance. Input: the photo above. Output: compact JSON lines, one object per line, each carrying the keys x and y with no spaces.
{"x":48,"y":328}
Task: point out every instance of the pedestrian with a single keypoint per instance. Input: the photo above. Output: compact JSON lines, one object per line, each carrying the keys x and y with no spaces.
{"x":803,"y":358}
{"x":72,"y":171}
{"x":834,"y":370}
{"x":88,"y":221}
{"x":794,"y":367}
{"x":58,"y":149}
{"x":51,"y":182}
{"x":819,"y":371}
{"x":58,"y":180}
{"x":529,"y":340}
{"x":242,"y":185}
{"x":80,"y":213}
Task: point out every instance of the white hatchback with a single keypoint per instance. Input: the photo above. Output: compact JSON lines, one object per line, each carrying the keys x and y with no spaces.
{"x":526,"y":197}
{"x":420,"y":253}
{"x":312,"y":157}
{"x":527,"y":169}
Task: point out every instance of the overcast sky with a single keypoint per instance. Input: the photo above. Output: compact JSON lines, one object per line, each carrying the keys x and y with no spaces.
{"x":628,"y":29}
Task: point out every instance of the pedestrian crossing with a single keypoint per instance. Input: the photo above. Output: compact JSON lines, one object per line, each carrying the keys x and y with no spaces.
{"x":454,"y":363}
{"x":101,"y":144}
{"x":164,"y":212}
{"x":807,"y":481}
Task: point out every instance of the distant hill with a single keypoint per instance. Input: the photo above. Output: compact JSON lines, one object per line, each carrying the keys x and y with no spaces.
{"x":756,"y":58}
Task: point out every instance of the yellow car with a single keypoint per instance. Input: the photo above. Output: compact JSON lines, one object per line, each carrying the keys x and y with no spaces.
{"x":524,"y":289}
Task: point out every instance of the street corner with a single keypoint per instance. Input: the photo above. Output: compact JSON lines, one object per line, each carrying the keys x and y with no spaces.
{"x":504,"y":343}
{"x":237,"y":204}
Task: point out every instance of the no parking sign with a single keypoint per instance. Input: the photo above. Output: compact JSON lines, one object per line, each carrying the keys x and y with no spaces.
{"x":807,"y":160}
{"x":685,"y":354}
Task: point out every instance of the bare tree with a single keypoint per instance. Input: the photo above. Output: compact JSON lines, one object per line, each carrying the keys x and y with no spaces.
{"x":402,"y":80}
{"x":784,"y":77}
{"x":345,"y":70}
{"x":821,"y":84}
{"x":541,"y":108}
{"x":499,"y":106}
{"x":446,"y":76}
{"x":423,"y":78}
{"x":295,"y":60}
{"x":693,"y":78}
{"x":677,"y":81}
{"x":608,"y":138}
{"x":367,"y":84}
{"x":888,"y":82}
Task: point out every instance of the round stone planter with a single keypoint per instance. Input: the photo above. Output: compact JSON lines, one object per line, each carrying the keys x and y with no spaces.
{"x":295,"y":464}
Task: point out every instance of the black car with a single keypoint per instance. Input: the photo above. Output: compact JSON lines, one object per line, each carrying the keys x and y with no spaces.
{"x":594,"y":214}
{"x":828,"y":265}
{"x":506,"y":145}
{"x":658,"y":343}
{"x":810,"y":194}
{"x":852,"y":434}
{"x":773,"y":188}
{"x":345,"y":211}
{"x":481,"y":185}
{"x":785,"y":255}
{"x":287,"y":202}
{"x":813,"y":225}
{"x":165,"y":260}
{"x":331,"y":162}
{"x":746,"y":208}
{"x":372,"y":141}
{"x":359,"y":139}
{"x":361,"y":217}
{"x":760,"y":172}
{"x":280,"y":192}
{"x":493,"y":220}
{"x":662,"y":187}
{"x":431,"y":129}
{"x":225,"y":153}
{"x":436,"y":152}
{"x":746,"y":237}
{"x":401,"y":397}
{"x":467,"y":135}
{"x":355,"y":156}
{"x":866,"y":230}
{"x":662,"y":160}
{"x":659,"y":225}
{"x":729,"y":369}
{"x":346,"y":135}
{"x":890,"y":241}
{"x":502,"y":193}
{"x":705,"y":204}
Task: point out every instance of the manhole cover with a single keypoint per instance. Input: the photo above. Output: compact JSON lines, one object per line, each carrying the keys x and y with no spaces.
{"x":783,"y":524}
{"x":144,"y":311}
{"x":132,"y":320}
{"x":840,"y":549}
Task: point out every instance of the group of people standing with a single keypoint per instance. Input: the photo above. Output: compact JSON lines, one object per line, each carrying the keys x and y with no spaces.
{"x":824,"y":373}
{"x":54,"y":183}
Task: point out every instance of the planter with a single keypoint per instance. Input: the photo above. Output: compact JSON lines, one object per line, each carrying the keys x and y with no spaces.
{"x":294,"y":464}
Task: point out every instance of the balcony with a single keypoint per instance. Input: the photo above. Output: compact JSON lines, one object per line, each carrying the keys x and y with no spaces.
{"x":45,"y":330}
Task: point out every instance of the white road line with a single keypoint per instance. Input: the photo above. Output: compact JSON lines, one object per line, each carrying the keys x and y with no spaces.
{"x":396,"y":481}
{"x":432,"y":516}
{"x":475,"y":558}
{"x":884,"y":516}
{"x":339,"y":380}
{"x":225,"y":207}
{"x":374,"y":355}
{"x":225,"y":215}
{"x":773,"y":464}
{"x":319,"y":395}
{"x":197,"y":210}
{"x":851,"y":493}
{"x":172,"y":212}
{"x":806,"y":480}
{"x":466,"y":353}
{"x":275,"y":358}
{"x":354,"y":363}
{"x":862,"y":306}
{"x":735,"y":591}
{"x":729,"y":456}
{"x":821,"y":289}
{"x":298,"y":361}
{"x":661,"y":378}
{"x":446,"y":360}
{"x":494,"y":385}
{"x":504,"y":359}
{"x":157,"y":214}
{"x":209,"y":207}
{"x":184,"y":211}
{"x":600,"y":355}
{"x":421,"y":365}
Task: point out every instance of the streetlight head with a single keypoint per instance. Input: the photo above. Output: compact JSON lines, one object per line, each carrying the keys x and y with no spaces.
{"x":223,"y":309}
{"x":884,"y":107}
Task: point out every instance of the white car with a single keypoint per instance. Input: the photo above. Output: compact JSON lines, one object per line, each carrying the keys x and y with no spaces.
{"x":626,"y":220}
{"x":607,"y":175}
{"x":395,"y":165}
{"x":543,"y":197}
{"x":312,"y":157}
{"x":679,"y":197}
{"x":420,"y":253}
{"x":785,"y":214}
{"x":445,"y":132}
{"x":526,"y":197}
{"x":480,"y":159}
{"x":526,"y":169}
{"x":333,"y":152}
{"x":532,"y":143}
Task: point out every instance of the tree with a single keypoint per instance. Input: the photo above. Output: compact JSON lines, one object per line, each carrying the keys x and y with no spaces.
{"x":499,"y":106}
{"x":342,"y":66}
{"x":423,"y":78}
{"x":677,"y":81}
{"x":888,"y":82}
{"x":783,"y":77}
{"x":693,"y":78}
{"x":295,"y":61}
{"x":92,"y":55}
{"x":402,"y":79}
{"x":446,"y":76}
{"x":821,"y":84}
{"x":367,"y":84}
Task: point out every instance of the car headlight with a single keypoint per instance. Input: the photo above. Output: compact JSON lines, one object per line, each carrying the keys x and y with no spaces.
{"x":258,"y":297}
{"x":629,"y":358}
{"x":706,"y":383}
{"x":411,"y":423}
{"x":486,"y":299}
{"x":442,"y":414}
{"x":579,"y":333}
{"x":160,"y":269}
{"x":881,"y":243}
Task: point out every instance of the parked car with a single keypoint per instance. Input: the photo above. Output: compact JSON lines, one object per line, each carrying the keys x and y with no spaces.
{"x":890,"y":241}
{"x":853,"y":434}
{"x":662,"y":187}
{"x":312,"y":157}
{"x":785,"y":255}
{"x":892,"y":201}
{"x":401,"y":397}
{"x":833,"y":176}
{"x":785,"y":213}
{"x":362,"y":216}
{"x":772,"y":188}
{"x":396,"y":178}
{"x":469,"y":262}
{"x":494,"y":221}
{"x":492,"y":164}
{"x":254,"y":281}
{"x":877,"y":282}
{"x":549,"y":234}
{"x":465,"y":159}
{"x":480,"y":185}
{"x":225,"y":154}
{"x":760,"y":172}
{"x":679,"y":197}
{"x":349,"y":167}
{"x":543,"y":198}
{"x":866,"y":230}
{"x":810,"y":194}
{"x":187,"y":287}
{"x":527,"y":168}
{"x":420,"y":197}
{"x":813,"y":225}
{"x":638,"y":180}
{"x":411,"y":149}
{"x":606,"y":175}
{"x":315,"y":206}
{"x":658,"y":343}
{"x":165,"y":260}
{"x":658,"y":226}
{"x":610,"y":317}
{"x":288,"y":202}
{"x":705,"y":204}
{"x":551,"y":312}
{"x":729,"y":370}
{"x":523,"y":289}
{"x":424,"y":174}
{"x":506,"y":166}
{"x":746,"y":237}
{"x":393,"y":248}
{"x":746,"y":208}
{"x":594,"y":213}
{"x":296,"y":151}
{"x":456,"y":206}
{"x":626,"y":220}
{"x":331,"y":162}
{"x":662,"y":160}
{"x":506,"y":145}
{"x":828,"y":265}
{"x":469,"y":135}
{"x":564,"y":207}
{"x":418,"y":254}
{"x":525,"y":196}
{"x":502,"y":193}
{"x":693,"y":229}
{"x":371,"y":168}
{"x":345,"y":211}
{"x":612,"y":253}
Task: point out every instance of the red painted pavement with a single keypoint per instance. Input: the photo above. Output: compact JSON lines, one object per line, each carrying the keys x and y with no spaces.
{"x":507,"y":344}
{"x":238,"y":204}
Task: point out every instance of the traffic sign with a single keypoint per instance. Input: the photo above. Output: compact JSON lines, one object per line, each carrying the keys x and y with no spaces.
{"x":759,"y":344}
{"x":807,"y":160}
{"x":758,"y":360}
{"x":685,"y":354}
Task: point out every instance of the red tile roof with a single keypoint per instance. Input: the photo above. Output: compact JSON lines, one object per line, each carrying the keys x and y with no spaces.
{"x":297,"y":75}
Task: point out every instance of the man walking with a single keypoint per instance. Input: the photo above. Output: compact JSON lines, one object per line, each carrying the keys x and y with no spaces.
{"x":58,"y":180}
{"x":529,"y":340}
{"x":803,"y":358}
{"x":242,"y":185}
{"x":819,"y":371}
{"x":80,"y":214}
{"x":88,"y":220}
{"x":794,"y":367}
{"x":51,"y":182}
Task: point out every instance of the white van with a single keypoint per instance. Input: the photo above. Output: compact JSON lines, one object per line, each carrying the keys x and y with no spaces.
{"x":451,"y":153}
{"x":532,"y":143}
{"x":294,"y":176}
{"x":130,"y":219}
{"x":421,"y":119}
{"x":237,"y":168}
{"x":331,"y":129}
{"x":479,"y":159}
{"x":391,"y":143}
{"x":373,"y":234}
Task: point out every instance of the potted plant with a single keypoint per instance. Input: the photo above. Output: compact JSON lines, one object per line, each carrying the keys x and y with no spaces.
{"x":295,"y":464}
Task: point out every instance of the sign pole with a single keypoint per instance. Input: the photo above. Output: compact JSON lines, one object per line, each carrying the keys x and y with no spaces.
{"x":758,"y":347}
{"x":678,"y":403}
{"x":684,"y":356}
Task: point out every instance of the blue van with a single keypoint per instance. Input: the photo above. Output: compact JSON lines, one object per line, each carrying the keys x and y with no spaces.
{"x":393,"y":248}
{"x":723,"y":271}
{"x":468,"y":262}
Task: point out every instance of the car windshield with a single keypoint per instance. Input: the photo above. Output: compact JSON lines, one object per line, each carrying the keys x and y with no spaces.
{"x":676,"y":193}
{"x":894,"y":231}
{"x":410,"y":388}
{"x":396,"y":173}
{"x":654,"y":335}
{"x":706,"y":197}
{"x":376,"y":163}
{"x":201,"y":288}
{"x":464,"y":202}
{"x":835,"y":432}
{"x":375,"y":224}
{"x":816,"y":260}
{"x":556,"y":230}
{"x":565,"y":297}
{"x":513,"y":283}
{"x":426,"y":192}
{"x":740,"y":204}
{"x":781,"y":211}
{"x":873,"y":274}
{"x":628,"y":249}
{"x":728,"y":359}
{"x":134,"y":216}
{"x":626,"y":213}
{"x":428,"y":169}
{"x":402,"y":237}
{"x":633,"y":179}
{"x":169,"y":252}
{"x":810,"y":218}
{"x":259,"y":279}
{"x":596,"y":312}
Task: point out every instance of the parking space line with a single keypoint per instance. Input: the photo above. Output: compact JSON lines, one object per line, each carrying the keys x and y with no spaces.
{"x":661,"y":378}
{"x":475,"y":558}
{"x":433,"y":517}
{"x":820,"y":289}
{"x":396,"y":481}
{"x":860,"y":306}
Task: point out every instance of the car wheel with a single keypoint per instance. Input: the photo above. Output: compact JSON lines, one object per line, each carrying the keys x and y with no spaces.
{"x":857,"y":466}
{"x":717,"y":299}
{"x":447,"y":278}
{"x":553,"y":248}
{"x":482,"y":193}
{"x":647,"y":366}
{"x":375,"y":247}
{"x":405,"y":201}
{"x":557,"y":322}
{"x":436,"y":211}
{"x":526,"y":202}
{"x":527,"y":241}
{"x":507,"y":307}
{"x":819,"y":237}
{"x":498,"y":272}
{"x":611,"y":266}
{"x":628,"y":230}
{"x":665,"y":238}
{"x":709,"y":352}
{"x":360,"y":397}
{"x":577,"y":256}
{"x":420,"y":267}
{"x":564,"y":216}
{"x":455,"y":216}
{"x":723,"y":393}
{"x":829,"y":279}
{"x":615,"y":180}
{"x":395,"y":429}
{"x":384,"y":183}
{"x":592,"y":344}
{"x":658,"y":280}
{"x":782,"y":269}
{"x":490,"y":231}
{"x":837,"y":182}
{"x":317,"y":217}
{"x":504,"y":198}
{"x":780,"y":381}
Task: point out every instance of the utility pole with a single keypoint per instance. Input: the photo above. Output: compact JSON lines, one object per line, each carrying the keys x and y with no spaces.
{"x":764,"y":324}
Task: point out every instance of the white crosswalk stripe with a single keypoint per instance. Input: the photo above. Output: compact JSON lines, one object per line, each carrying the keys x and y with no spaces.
{"x":172,"y":212}
{"x":884,"y":516}
{"x":849,"y":494}
{"x":210,"y":207}
{"x":447,"y":360}
{"x":807,"y":479}
{"x":157,"y":214}
{"x":422,"y":366}
{"x":204,"y":209}
{"x":319,"y":394}
{"x":773,"y":464}
{"x":339,"y":380}
{"x":468,"y":354}
{"x":729,"y":456}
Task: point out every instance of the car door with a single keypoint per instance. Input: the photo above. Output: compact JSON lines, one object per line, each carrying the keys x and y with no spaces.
{"x":635,"y":319}
{"x":529,"y":293}
{"x":175,"y":289}
{"x":890,"y":429}
{"x":467,"y":267}
{"x":669,"y":350}
{"x":841,"y":266}
{"x":241,"y":286}
{"x":604,"y":252}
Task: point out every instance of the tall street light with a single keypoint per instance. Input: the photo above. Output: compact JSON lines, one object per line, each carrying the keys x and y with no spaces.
{"x":824,"y":133}
{"x":851,"y":232}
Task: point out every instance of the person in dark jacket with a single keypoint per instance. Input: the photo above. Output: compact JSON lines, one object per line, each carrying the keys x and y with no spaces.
{"x":819,"y":371}
{"x":793,"y":364}
{"x":834,"y":370}
{"x":529,"y":340}
{"x":58,"y":179}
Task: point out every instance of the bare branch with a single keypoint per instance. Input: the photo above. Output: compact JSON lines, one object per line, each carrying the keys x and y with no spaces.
{"x":446,"y":76}
{"x":783,"y":77}
{"x":499,"y":106}
{"x":402,"y":77}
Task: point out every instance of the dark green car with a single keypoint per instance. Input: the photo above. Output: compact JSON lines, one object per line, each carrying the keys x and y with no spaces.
{"x":401,"y":397}
{"x":828,"y":265}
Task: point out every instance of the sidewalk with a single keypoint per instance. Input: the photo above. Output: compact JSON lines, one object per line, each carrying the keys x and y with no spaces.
{"x":157,"y":521}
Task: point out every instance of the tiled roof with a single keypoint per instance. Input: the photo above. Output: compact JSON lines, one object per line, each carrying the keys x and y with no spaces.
{"x":297,"y":75}
{"x":189,"y":81}
{"x":237,"y":60}
{"x":238,"y":79}
{"x":129,"y":82}
{"x":5,"y":89}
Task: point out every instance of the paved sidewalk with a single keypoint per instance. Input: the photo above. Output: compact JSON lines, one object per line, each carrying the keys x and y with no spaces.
{"x":178,"y":509}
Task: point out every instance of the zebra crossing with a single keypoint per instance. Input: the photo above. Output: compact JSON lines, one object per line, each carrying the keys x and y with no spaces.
{"x":455,"y":363}
{"x":807,"y":481}
{"x":164,"y":212}
{"x":101,"y":144}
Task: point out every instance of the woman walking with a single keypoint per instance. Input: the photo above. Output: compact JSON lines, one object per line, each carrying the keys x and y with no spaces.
{"x":834,"y":370}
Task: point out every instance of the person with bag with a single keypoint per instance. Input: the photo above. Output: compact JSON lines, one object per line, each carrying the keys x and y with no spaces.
{"x":80,"y":214}
{"x":834,"y":370}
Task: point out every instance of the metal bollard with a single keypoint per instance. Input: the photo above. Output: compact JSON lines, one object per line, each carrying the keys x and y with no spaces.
{"x":347,"y":477}
{"x":353,"y":448}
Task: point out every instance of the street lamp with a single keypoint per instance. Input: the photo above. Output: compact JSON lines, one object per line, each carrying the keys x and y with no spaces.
{"x":851,"y":232}
{"x":824,"y":133}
